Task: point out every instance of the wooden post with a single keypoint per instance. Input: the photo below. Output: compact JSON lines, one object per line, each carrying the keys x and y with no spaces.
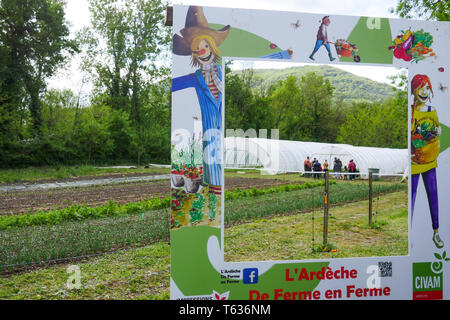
{"x":325,"y":211}
{"x":370,"y":197}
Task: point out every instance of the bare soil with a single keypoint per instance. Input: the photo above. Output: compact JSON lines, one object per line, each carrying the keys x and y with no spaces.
{"x":15,"y":202}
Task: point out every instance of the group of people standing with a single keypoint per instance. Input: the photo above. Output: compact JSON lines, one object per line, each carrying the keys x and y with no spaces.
{"x":315,"y":168}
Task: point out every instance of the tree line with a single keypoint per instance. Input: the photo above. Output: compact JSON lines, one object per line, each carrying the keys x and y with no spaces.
{"x":303,"y":109}
{"x":127,"y":118}
{"x":124,"y":52}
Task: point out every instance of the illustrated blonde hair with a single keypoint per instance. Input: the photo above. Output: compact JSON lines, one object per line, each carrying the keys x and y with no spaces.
{"x":212,"y":45}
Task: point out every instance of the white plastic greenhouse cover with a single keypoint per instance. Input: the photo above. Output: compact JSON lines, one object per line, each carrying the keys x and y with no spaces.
{"x":278,"y":156}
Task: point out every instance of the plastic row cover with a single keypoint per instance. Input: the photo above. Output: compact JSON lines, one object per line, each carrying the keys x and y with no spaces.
{"x":278,"y":156}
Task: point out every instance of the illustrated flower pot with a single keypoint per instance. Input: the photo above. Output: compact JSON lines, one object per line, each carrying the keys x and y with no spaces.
{"x":192,"y":185}
{"x":177,"y":180}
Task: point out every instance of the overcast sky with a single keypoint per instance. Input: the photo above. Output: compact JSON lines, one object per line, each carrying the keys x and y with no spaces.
{"x":77,"y":14}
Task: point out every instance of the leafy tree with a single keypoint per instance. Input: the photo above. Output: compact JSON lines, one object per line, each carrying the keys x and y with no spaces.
{"x":58,"y":113}
{"x":317,"y":94}
{"x":34,"y":41}
{"x":92,"y":135}
{"x":426,"y":9}
{"x":376,"y":125}
{"x":122,"y":48}
{"x":290,"y":114}
{"x":122,"y":134}
{"x":153,"y":136}
{"x":246,"y":108}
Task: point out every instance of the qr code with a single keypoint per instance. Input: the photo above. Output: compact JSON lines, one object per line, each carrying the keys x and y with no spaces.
{"x":385,"y":269}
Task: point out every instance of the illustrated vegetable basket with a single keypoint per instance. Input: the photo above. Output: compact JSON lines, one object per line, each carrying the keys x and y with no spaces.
{"x":346,"y":49}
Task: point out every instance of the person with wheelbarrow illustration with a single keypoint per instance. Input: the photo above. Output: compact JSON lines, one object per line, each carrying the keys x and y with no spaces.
{"x":322,"y":39}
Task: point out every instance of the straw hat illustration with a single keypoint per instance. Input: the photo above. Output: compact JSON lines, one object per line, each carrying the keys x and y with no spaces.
{"x":196,"y":25}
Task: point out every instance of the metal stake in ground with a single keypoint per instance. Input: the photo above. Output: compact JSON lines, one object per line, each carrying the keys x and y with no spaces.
{"x":325,"y":211}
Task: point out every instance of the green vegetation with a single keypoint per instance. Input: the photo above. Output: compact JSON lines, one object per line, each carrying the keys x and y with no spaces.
{"x":70,"y":233}
{"x":302,"y":200}
{"x":349,"y":234}
{"x":253,"y":192}
{"x":125,"y":118}
{"x":82,"y":212}
{"x":33,"y":244}
{"x":423,"y":9}
{"x":141,"y":273}
{"x":347,"y":86}
{"x":318,"y":103}
{"x":78,"y":213}
{"x":144,"y":273}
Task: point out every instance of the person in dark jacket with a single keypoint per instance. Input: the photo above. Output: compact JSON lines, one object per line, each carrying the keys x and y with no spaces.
{"x":317,"y":167}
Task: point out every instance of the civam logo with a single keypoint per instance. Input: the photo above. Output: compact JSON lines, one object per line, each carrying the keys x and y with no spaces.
{"x":427,"y":281}
{"x":250,"y":276}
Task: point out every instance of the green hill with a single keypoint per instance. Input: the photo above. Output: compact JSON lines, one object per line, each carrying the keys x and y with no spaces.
{"x":347,"y":86}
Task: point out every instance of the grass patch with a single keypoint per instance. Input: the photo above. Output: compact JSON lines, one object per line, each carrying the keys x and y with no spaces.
{"x":291,"y":237}
{"x":141,"y":273}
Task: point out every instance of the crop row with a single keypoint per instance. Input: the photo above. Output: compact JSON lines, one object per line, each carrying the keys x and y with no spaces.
{"x":111,"y":209}
{"x":70,"y":239}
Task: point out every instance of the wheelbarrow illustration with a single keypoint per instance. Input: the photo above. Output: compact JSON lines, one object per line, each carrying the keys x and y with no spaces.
{"x":346,"y":49}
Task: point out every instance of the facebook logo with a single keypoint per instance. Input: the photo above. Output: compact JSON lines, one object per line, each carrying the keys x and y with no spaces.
{"x":250,"y":275}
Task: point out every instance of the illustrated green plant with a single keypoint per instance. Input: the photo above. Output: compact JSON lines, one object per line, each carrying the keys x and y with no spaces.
{"x":199,"y":203}
{"x":195,"y":216}
{"x":195,"y":213}
{"x":212,"y":206}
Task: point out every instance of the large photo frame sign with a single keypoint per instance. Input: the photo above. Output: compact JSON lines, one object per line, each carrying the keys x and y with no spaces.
{"x":203,"y":37}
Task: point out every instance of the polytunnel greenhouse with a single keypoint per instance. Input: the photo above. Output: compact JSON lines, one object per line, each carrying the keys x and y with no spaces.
{"x":279,"y":156}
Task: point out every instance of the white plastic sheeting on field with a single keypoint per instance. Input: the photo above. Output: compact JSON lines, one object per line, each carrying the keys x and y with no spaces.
{"x":277,"y":156}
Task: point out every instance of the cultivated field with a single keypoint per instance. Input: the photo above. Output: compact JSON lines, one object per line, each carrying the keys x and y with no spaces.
{"x":118,"y":233}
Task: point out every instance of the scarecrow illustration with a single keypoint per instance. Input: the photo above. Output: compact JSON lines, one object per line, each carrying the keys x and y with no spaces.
{"x":202,"y":43}
{"x":425,"y":146}
{"x":322,"y":38}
